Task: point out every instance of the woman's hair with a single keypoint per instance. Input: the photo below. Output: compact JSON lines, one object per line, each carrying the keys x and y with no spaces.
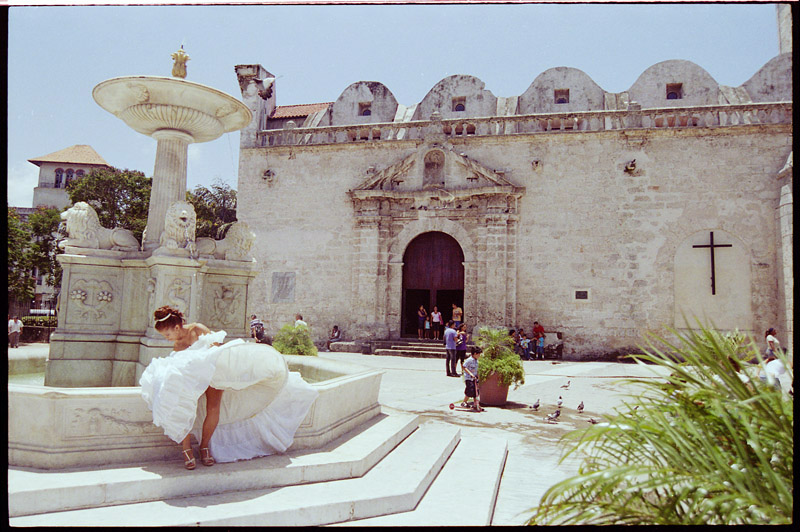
{"x":167,"y":317}
{"x":771,"y":330}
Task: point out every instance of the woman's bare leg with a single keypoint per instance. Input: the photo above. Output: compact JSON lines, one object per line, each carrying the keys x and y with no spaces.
{"x":213,"y":400}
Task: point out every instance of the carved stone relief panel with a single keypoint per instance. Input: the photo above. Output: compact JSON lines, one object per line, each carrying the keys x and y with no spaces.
{"x":93,"y":299}
{"x":224,"y":304}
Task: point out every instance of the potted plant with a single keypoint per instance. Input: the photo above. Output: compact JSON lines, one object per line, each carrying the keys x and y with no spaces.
{"x":498,"y":366}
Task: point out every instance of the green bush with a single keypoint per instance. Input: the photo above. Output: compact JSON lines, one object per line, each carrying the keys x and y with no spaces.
{"x":499,"y":357}
{"x":39,"y":321}
{"x":704,"y":446}
{"x":294,"y":340}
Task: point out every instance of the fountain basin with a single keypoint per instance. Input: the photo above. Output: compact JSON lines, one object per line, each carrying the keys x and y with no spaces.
{"x":152,"y":103}
{"x":56,"y":428}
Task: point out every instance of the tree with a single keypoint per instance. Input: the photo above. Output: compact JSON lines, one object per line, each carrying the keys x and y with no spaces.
{"x":120,"y":197}
{"x":44,"y":224}
{"x":21,"y":285}
{"x":708,"y":446}
{"x":215,"y":208}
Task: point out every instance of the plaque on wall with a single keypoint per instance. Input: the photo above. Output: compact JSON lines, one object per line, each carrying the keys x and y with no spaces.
{"x":283,"y":287}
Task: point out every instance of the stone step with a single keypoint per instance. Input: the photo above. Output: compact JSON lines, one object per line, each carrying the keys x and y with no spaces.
{"x":457,"y":497}
{"x":409,"y":353}
{"x":352,"y":455}
{"x":396,"y":484}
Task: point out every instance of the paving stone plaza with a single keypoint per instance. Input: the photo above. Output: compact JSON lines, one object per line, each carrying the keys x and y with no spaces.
{"x":410,"y":387}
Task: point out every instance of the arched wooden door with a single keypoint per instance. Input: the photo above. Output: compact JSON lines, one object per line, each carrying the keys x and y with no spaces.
{"x":433,"y":274}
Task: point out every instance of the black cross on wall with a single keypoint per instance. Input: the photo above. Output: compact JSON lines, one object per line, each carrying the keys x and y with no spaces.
{"x":711,"y":245}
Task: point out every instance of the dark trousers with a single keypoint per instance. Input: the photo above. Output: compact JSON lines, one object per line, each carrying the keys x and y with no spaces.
{"x":450,"y":363}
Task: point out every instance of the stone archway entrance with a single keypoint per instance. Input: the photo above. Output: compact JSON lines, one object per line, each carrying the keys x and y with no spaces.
{"x":433,"y":274}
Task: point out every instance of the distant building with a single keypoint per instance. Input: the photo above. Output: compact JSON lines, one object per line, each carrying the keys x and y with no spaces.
{"x":59,"y":168}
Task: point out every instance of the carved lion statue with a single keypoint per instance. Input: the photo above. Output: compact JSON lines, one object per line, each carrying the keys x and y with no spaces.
{"x":179,"y":227}
{"x":235,"y":246}
{"x":85,"y":231}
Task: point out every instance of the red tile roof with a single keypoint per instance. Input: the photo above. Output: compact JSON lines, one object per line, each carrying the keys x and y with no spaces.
{"x":295,"y":111}
{"x":78,"y":154}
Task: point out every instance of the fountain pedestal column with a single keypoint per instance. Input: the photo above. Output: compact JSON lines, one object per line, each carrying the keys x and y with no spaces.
{"x":169,"y":180}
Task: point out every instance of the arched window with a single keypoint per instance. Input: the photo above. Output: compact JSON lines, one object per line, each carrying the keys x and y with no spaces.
{"x":366,"y":112}
{"x":70,"y":175}
{"x":459,"y":107}
{"x":59,"y":177}
{"x":674,"y":91}
{"x":78,"y":173}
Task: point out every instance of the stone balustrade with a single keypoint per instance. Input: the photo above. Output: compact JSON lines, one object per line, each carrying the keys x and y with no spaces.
{"x":632,"y":118}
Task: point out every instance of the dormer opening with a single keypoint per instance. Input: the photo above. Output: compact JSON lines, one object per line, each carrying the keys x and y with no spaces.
{"x":674,"y":91}
{"x":365,"y":109}
{"x":561,"y":96}
{"x":460,"y":104}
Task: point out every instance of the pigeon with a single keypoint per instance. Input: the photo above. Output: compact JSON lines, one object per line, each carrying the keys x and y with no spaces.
{"x":535,"y":405}
{"x":565,"y":386}
{"x":580,"y":407}
{"x":550,"y":418}
{"x":593,"y":421}
{"x":560,"y":401}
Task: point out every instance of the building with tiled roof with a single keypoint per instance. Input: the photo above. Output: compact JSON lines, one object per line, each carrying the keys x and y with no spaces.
{"x":299,"y":114}
{"x":59,"y":168}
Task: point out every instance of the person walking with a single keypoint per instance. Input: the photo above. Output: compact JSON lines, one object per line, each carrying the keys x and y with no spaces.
{"x":14,"y":331}
{"x":450,"y":347}
{"x":462,"y":337}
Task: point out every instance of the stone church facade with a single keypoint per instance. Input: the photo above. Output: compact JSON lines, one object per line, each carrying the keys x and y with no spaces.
{"x":601,"y":215}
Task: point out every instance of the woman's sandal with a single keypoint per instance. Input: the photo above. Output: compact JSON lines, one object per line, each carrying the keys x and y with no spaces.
{"x":188,"y":459}
{"x":205,"y":457}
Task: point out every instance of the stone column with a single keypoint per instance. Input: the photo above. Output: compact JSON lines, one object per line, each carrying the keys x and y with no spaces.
{"x":169,"y":180}
{"x":786,"y":272}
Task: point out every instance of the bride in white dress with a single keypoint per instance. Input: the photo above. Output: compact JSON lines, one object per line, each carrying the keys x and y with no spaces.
{"x":238,"y":399}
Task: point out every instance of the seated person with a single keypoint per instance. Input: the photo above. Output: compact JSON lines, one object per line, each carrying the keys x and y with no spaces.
{"x":335,"y":336}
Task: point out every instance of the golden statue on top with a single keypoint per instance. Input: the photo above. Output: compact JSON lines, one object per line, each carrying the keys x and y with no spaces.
{"x":179,"y":68}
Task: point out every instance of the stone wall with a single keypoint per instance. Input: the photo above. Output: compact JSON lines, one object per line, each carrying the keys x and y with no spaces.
{"x":584,"y":223}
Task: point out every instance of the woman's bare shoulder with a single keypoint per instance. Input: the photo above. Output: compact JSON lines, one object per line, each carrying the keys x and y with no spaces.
{"x":198,"y":329}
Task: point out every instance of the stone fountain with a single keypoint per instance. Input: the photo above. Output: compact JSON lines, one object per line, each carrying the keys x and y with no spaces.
{"x":89,"y":410}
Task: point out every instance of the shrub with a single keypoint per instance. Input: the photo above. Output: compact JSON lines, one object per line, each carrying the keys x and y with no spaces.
{"x":704,"y":446}
{"x":294,"y":340}
{"x":499,"y":357}
{"x":39,"y":321}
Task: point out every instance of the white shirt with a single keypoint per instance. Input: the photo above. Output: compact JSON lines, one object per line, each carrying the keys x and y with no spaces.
{"x":14,"y":326}
{"x":774,"y":341}
{"x":300,"y":322}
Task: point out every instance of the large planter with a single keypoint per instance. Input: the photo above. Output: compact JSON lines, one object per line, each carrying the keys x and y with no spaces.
{"x":493,"y":392}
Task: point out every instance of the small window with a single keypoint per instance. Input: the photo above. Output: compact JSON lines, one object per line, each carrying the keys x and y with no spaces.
{"x":59,"y":177}
{"x":365,"y":109}
{"x":70,"y":174}
{"x":561,"y":96}
{"x":460,"y":104}
{"x":78,"y":173}
{"x":581,"y":294}
{"x":674,"y":91}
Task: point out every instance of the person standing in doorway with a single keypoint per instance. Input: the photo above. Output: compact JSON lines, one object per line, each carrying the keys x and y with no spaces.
{"x":14,"y":331}
{"x":450,"y":347}
{"x":458,"y":315}
{"x":436,"y":323}
{"x":422,"y":315}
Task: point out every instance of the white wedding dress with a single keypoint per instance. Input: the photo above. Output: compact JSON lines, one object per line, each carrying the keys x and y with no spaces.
{"x":262,"y":406}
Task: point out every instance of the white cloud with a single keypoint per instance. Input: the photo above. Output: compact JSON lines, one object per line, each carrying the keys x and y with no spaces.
{"x":22,"y":178}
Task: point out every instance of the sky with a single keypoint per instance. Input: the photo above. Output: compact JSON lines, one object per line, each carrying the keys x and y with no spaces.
{"x":56,"y":56}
